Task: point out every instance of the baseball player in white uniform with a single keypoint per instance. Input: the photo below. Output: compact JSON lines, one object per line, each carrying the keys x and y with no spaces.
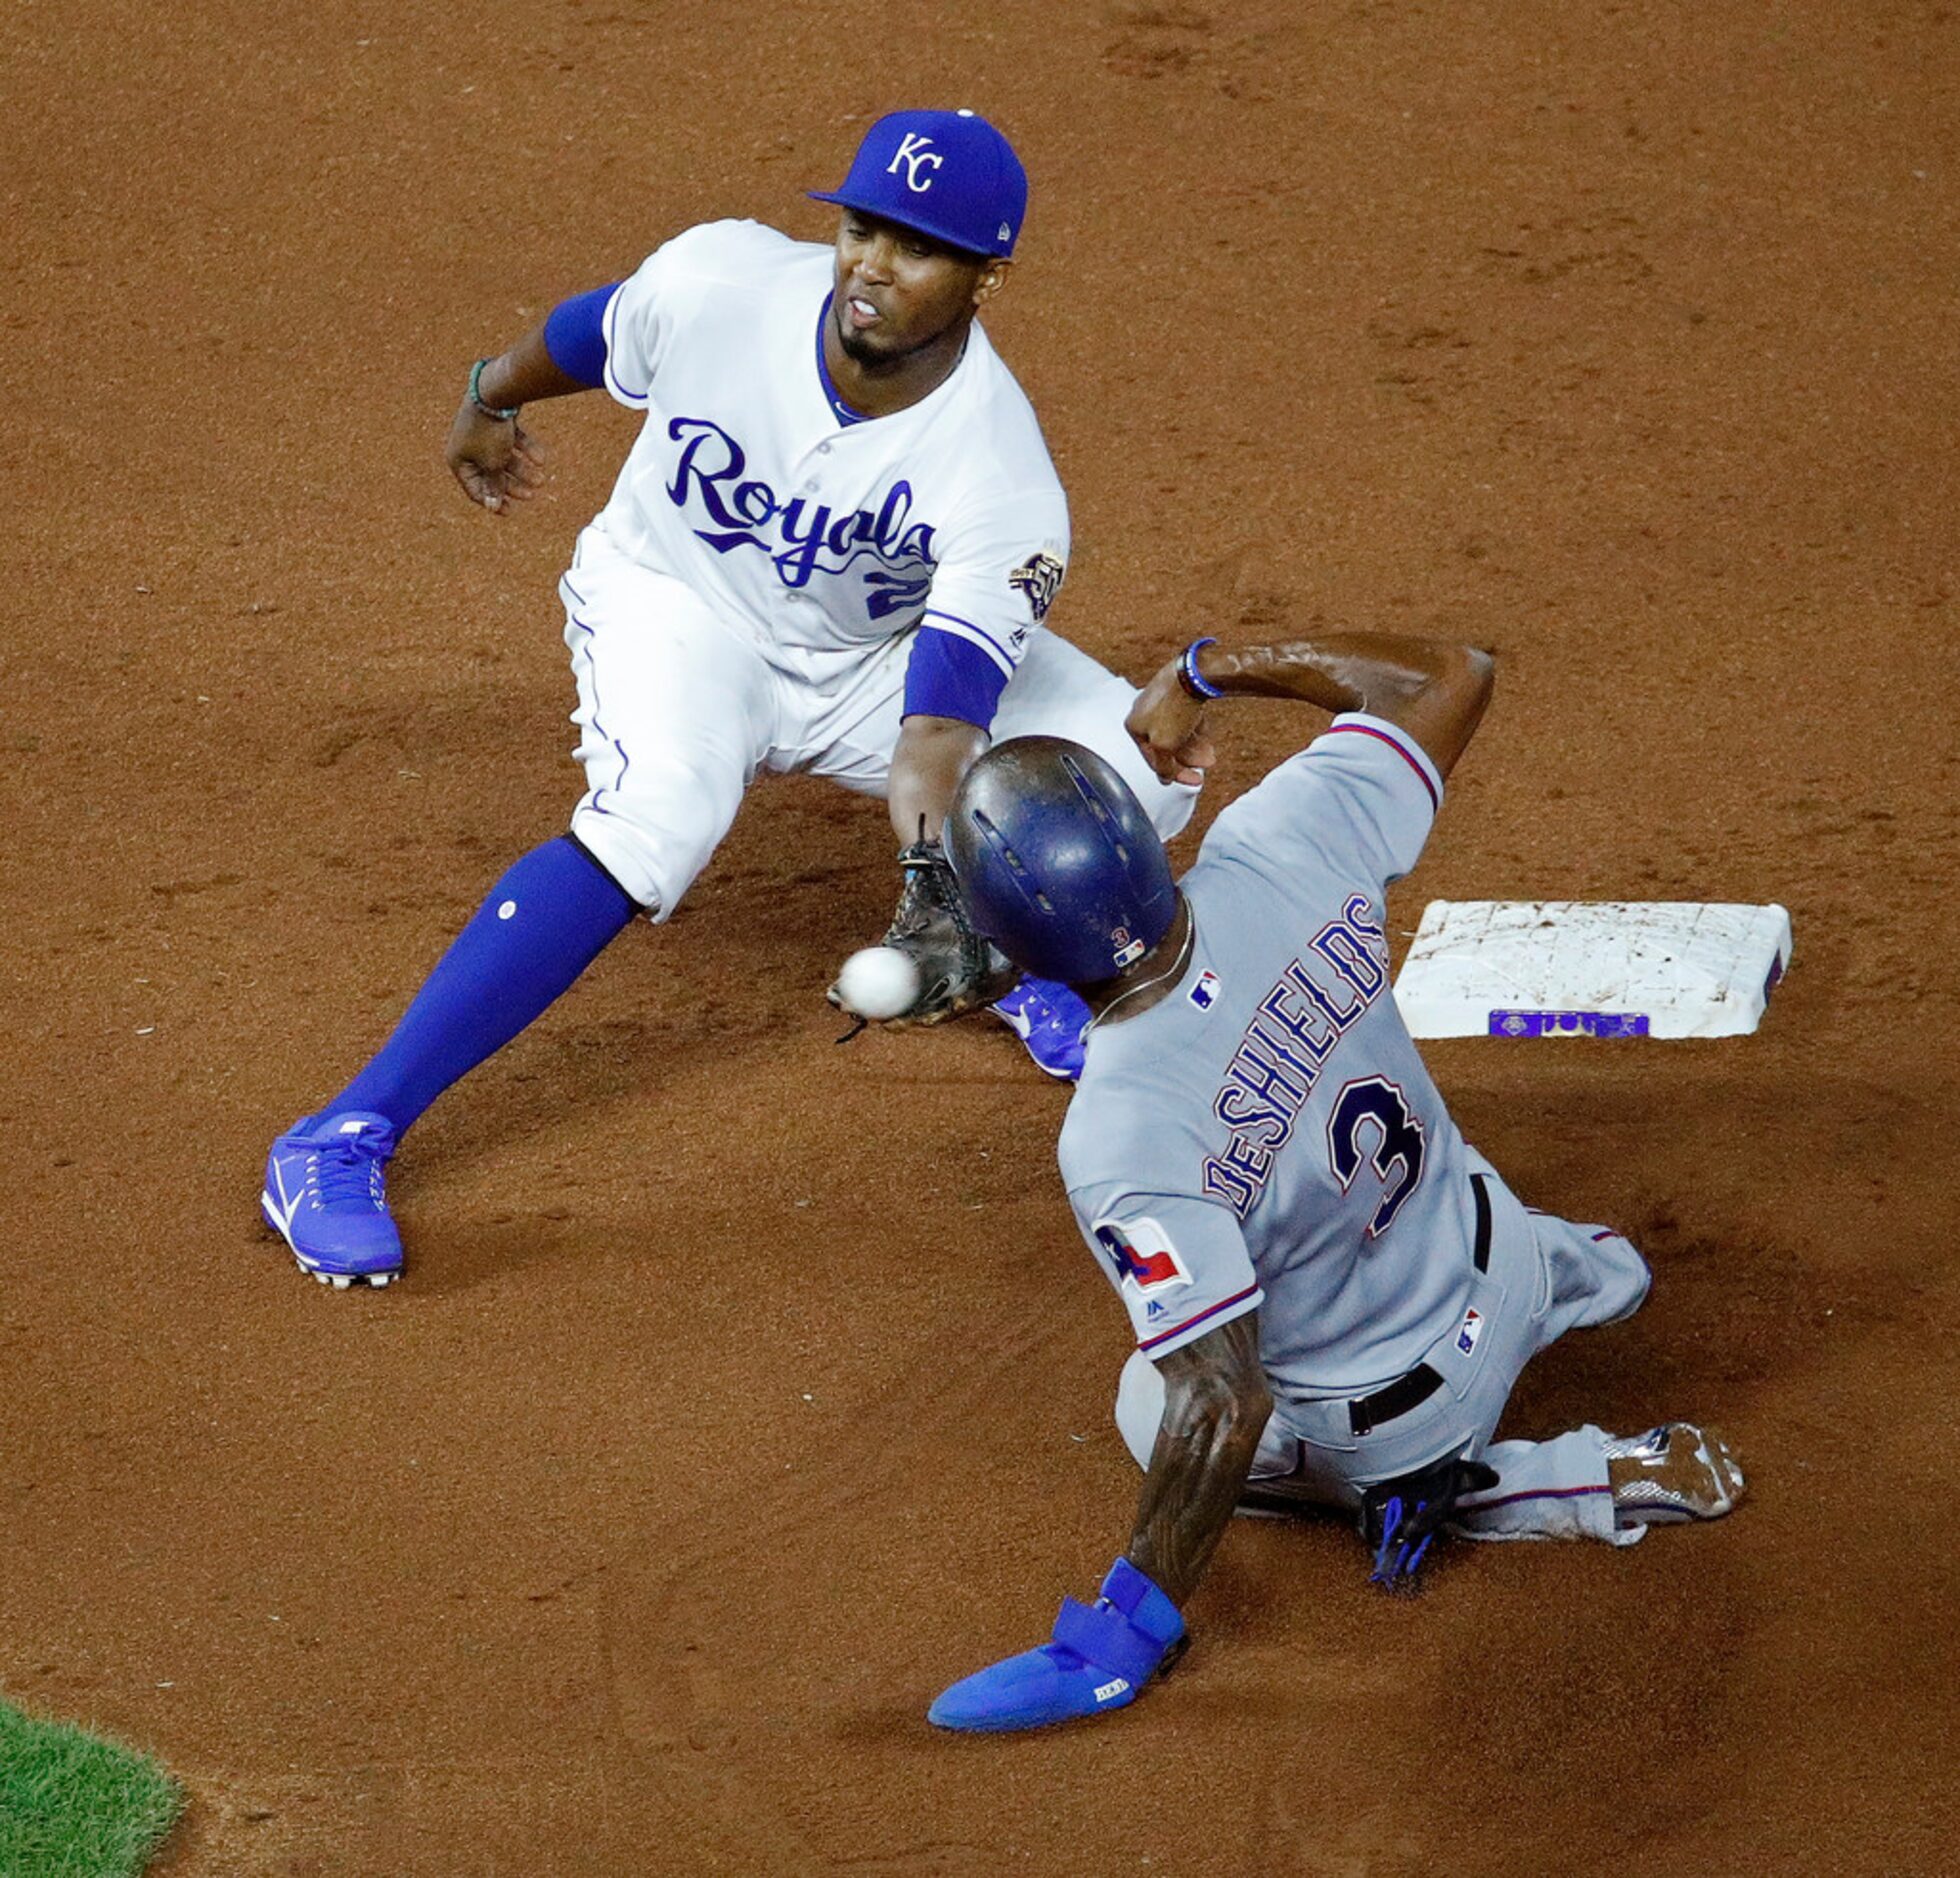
{"x":831,"y":549}
{"x":1332,"y":1293}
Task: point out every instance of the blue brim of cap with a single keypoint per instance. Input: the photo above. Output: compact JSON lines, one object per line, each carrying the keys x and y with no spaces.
{"x":923,"y":224}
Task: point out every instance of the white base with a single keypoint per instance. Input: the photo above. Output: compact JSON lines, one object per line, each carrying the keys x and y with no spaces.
{"x":1569,"y":968}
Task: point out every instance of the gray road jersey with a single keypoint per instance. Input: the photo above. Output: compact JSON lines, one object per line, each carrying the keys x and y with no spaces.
{"x":1267,"y":1135}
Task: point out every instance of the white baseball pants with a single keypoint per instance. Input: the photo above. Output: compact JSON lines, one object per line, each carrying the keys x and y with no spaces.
{"x":678,"y":713}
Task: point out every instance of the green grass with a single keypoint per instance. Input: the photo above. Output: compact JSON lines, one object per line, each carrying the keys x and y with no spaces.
{"x":75,"y":1806}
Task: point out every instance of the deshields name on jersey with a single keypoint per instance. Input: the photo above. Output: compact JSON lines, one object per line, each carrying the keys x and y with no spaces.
{"x":1279,"y":1059}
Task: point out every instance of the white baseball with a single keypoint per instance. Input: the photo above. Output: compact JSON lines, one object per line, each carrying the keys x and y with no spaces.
{"x":878,"y":983}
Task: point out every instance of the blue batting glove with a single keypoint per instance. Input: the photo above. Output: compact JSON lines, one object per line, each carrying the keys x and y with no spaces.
{"x":1101,"y":1656}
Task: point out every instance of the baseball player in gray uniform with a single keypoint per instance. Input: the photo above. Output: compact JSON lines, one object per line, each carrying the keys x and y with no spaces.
{"x":1332,"y":1292}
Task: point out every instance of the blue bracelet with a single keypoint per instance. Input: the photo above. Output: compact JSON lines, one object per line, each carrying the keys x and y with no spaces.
{"x":1193,"y":680}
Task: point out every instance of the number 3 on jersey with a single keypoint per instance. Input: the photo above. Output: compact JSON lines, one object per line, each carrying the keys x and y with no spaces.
{"x":1396,"y":1155}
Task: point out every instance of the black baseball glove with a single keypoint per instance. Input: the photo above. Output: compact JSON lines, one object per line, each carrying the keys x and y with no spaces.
{"x":1400,"y":1517}
{"x":958,"y":970}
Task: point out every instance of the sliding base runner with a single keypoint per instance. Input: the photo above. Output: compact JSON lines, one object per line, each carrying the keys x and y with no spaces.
{"x":1332,"y":1294}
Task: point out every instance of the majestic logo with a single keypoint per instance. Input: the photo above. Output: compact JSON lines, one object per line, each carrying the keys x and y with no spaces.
{"x":1040,"y":578}
{"x":912,"y":152}
{"x":729,"y":509}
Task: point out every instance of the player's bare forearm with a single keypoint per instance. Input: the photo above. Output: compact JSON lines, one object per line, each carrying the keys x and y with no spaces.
{"x":525,"y":373}
{"x":933,"y":753}
{"x":1434,"y":689}
{"x":495,"y":459}
{"x":1216,"y":1405}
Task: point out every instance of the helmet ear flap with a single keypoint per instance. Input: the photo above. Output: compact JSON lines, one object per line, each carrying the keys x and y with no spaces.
{"x":1057,"y":861}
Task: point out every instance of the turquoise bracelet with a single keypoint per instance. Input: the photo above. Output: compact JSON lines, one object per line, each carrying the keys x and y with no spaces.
{"x":476,"y":396}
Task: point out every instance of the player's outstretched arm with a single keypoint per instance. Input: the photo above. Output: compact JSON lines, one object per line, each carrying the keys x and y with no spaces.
{"x":1434,"y":690}
{"x":1103,"y":1654}
{"x":933,"y":753}
{"x":1216,"y":1405}
{"x":490,"y":453}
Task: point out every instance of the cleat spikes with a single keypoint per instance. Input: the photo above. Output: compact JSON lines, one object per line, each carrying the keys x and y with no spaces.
{"x":345,"y":1281}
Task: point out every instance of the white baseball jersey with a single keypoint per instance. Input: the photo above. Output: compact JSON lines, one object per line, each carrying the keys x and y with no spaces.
{"x":1267,"y":1136}
{"x":801,"y":527}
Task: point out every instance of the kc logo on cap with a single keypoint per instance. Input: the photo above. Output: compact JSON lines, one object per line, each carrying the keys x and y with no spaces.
{"x":914,"y":150}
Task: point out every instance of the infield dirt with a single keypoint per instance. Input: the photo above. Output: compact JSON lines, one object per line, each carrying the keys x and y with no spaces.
{"x":743,"y":1390}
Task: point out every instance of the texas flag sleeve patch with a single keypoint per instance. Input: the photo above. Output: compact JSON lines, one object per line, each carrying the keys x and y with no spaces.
{"x":1173,"y":1294}
{"x":1140,"y":1251}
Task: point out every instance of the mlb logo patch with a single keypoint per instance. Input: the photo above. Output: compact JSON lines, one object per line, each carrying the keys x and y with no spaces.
{"x":1204,"y":994}
{"x":1473,"y":1328}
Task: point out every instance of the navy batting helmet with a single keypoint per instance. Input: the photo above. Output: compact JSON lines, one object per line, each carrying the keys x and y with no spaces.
{"x":1057,"y":862}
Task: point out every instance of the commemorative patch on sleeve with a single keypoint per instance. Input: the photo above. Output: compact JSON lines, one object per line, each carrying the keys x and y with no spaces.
{"x":1040,"y":578}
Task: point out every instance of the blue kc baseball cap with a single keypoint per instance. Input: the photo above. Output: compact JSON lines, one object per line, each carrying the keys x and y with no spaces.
{"x":948,"y":174}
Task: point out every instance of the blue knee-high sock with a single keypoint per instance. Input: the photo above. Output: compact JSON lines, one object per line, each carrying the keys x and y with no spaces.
{"x":549,"y":917}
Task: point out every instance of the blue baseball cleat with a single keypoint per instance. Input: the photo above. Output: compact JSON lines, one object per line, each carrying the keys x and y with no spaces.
{"x":326,"y":1196}
{"x":1101,"y":1656}
{"x":1049,"y":1018}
